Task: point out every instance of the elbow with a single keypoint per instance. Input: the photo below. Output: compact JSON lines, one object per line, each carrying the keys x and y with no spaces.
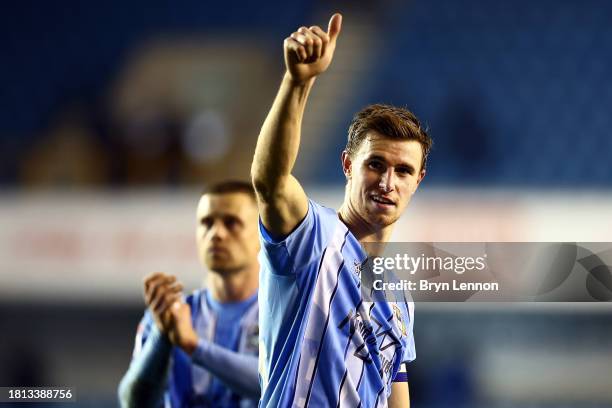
{"x":268,"y":183}
{"x":252,"y":391}
{"x":260,"y":174}
{"x":125,"y":393}
{"x":261,"y":189}
{"x":256,"y":176}
{"x":262,"y":183}
{"x":135,"y":394}
{"x":257,"y":393}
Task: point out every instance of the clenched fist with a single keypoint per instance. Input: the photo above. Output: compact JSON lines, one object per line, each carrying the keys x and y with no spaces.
{"x":309,"y":51}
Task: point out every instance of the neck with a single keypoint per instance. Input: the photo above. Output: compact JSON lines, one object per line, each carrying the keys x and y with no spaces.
{"x":361,"y":229}
{"x":233,"y":286}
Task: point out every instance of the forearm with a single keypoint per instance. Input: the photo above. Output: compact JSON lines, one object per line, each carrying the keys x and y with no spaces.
{"x":279,"y":139}
{"x":400,"y":395}
{"x":144,"y":383}
{"x":281,"y":199}
{"x":237,"y":371}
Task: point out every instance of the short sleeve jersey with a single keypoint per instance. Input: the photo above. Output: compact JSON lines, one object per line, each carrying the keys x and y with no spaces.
{"x":321,"y":343}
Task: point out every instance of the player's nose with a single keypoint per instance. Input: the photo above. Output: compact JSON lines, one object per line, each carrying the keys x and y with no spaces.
{"x":386,"y":181}
{"x":218,"y":231}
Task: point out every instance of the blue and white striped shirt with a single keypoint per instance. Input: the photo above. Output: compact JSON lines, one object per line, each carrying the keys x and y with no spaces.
{"x":226,"y":355}
{"x":321,"y":343}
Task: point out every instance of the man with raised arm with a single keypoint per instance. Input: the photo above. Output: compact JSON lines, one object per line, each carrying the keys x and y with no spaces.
{"x":321,"y":342}
{"x":202,"y":352}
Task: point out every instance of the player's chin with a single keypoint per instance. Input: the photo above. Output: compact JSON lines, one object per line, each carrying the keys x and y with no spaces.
{"x":219,"y":264}
{"x":385,"y":221}
{"x":382,"y":218}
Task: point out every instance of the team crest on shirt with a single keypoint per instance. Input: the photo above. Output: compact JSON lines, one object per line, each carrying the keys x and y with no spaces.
{"x":252,"y":337}
{"x":357,"y":266}
{"x":357,"y":269}
{"x":400,"y":321}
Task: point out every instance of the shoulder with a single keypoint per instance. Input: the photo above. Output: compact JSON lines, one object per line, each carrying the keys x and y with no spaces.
{"x":327,"y":214}
{"x":305,"y":243}
{"x":319,"y":221}
{"x":316,"y":217}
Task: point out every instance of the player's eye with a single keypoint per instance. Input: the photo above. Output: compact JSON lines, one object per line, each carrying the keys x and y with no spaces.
{"x":376,"y":165}
{"x":403,"y":171}
{"x":206,"y":222}
{"x":230,"y":222}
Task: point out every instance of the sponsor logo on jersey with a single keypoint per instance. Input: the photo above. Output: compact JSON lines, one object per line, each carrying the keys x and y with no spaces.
{"x":400,"y":322}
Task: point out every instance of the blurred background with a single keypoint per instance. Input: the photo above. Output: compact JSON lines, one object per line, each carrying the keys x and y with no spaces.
{"x":116,"y":114}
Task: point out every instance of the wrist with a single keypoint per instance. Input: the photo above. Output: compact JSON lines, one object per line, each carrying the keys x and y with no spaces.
{"x":163,"y":331}
{"x":296,"y":82}
{"x":190,"y":344}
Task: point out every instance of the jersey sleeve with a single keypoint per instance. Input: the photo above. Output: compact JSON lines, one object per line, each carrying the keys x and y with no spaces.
{"x":145,"y":380}
{"x":303,"y":245}
{"x":238,"y":371}
{"x":401,"y":375}
{"x":142,"y":333}
{"x":410,"y":349}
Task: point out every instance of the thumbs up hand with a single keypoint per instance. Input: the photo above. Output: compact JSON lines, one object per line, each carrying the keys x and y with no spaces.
{"x":309,"y":51}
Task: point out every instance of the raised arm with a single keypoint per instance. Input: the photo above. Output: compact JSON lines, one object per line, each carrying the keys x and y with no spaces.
{"x":282,"y":202}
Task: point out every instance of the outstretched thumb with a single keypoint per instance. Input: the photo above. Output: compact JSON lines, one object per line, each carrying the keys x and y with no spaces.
{"x":334,"y":26}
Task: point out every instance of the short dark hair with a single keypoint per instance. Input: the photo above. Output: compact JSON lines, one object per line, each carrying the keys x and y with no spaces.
{"x":392,"y":122}
{"x":231,"y":186}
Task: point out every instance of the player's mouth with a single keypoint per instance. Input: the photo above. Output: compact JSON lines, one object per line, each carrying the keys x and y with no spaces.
{"x":382,"y":202}
{"x":217,"y":250}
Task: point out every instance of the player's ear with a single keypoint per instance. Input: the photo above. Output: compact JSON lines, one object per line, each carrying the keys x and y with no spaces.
{"x":421,"y":176}
{"x":346,"y":164}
